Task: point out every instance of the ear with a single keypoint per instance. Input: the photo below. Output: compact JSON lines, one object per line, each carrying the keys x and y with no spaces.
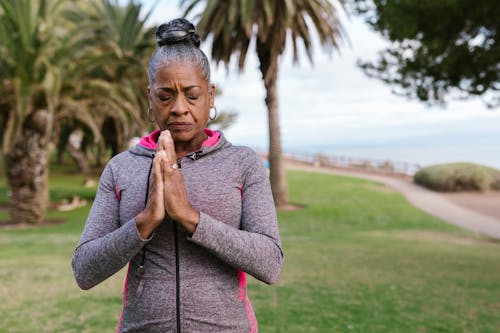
{"x":211,"y":94}
{"x":149,"y":96}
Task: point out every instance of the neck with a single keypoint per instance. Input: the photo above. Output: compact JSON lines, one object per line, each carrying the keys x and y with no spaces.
{"x":184,"y":148}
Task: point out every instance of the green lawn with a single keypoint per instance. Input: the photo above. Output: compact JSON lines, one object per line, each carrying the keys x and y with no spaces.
{"x":358,"y":258}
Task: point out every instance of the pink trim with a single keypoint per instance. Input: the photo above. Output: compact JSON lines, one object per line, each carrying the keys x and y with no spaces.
{"x":149,"y":141}
{"x":117,"y":192}
{"x":213,"y":138}
{"x":243,"y":297}
{"x":242,"y":279}
{"x":241,"y":190}
{"x":124,"y":300}
{"x":252,"y":321}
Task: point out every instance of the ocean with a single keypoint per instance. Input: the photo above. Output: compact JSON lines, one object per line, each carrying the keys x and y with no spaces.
{"x":422,"y":155}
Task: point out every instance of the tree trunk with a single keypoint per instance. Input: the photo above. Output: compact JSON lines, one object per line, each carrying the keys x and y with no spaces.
{"x":269,"y":70}
{"x":79,"y":158}
{"x":27,"y":169}
{"x":99,"y":160}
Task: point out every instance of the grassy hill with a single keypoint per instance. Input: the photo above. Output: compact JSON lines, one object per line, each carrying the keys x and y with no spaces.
{"x":358,"y":258}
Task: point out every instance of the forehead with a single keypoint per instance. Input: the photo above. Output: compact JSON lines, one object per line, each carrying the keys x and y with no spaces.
{"x":181,"y":73}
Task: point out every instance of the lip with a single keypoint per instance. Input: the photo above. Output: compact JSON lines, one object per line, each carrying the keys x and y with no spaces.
{"x":179,"y":126}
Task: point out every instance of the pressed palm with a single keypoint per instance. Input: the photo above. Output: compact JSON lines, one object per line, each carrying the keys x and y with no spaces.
{"x":233,"y":25}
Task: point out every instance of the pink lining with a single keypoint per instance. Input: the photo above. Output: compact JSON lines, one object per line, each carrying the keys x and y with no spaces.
{"x":117,"y":192}
{"x":213,"y":138}
{"x":124,"y":300}
{"x":242,"y":278}
{"x":149,"y":141}
{"x":241,"y":190}
{"x":243,"y":297}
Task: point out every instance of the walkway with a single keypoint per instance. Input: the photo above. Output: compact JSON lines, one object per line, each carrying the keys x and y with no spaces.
{"x":429,"y":201}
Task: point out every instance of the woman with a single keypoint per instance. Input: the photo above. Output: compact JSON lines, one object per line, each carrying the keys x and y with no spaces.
{"x":189,"y":212}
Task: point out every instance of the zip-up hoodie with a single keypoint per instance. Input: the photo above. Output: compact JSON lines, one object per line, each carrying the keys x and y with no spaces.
{"x":177,"y":282}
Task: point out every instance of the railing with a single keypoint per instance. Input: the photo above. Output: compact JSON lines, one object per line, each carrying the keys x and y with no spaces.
{"x":361,"y":164}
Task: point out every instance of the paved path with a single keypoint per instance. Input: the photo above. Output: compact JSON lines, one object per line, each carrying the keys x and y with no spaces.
{"x":429,"y":201}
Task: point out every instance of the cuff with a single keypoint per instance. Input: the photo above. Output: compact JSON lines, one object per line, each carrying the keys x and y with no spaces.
{"x":129,"y":238}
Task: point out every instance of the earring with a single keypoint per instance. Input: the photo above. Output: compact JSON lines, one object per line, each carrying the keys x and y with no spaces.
{"x":215,"y":115}
{"x":150,"y":110}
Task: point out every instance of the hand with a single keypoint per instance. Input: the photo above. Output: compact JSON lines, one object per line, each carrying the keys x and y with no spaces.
{"x":154,"y":212}
{"x":176,"y":202}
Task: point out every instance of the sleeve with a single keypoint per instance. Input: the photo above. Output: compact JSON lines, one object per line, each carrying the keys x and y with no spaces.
{"x":105,"y":246}
{"x":256,"y":248}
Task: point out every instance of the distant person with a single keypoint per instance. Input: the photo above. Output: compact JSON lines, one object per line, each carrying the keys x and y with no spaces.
{"x":189,"y":212}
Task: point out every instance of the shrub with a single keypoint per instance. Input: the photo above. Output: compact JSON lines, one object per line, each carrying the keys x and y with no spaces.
{"x":455,"y":177}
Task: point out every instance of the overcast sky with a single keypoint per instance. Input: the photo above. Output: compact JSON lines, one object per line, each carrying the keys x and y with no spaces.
{"x":333,"y":107}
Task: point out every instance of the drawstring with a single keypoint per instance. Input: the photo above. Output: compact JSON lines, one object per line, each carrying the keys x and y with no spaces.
{"x":143,"y":250}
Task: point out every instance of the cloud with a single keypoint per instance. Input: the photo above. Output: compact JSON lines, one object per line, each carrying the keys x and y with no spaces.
{"x":334,"y":103}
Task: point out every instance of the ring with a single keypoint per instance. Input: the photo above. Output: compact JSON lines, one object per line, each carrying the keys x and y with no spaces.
{"x":174,"y":166}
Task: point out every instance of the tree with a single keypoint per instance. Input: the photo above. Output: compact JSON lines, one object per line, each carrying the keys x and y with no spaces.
{"x":234,"y":24}
{"x":53,"y":67}
{"x":35,"y":53}
{"x":438,"y":48}
{"x":115,"y":79}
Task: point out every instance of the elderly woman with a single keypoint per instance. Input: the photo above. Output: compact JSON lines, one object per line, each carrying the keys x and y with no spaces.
{"x":189,"y":212}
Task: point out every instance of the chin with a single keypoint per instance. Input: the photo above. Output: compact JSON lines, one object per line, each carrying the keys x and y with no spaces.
{"x":181,"y":136}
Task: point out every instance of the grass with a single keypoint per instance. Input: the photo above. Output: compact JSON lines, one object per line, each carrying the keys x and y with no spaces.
{"x":358,"y":258}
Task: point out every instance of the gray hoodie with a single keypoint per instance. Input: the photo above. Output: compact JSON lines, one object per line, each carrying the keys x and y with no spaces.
{"x":176,"y":282}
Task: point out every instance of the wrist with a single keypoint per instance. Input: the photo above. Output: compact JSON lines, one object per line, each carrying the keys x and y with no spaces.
{"x":189,"y":220}
{"x":143,"y":227}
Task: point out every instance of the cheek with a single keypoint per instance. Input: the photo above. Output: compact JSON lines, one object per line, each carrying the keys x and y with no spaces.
{"x":202,"y":115}
{"x":202,"y":112}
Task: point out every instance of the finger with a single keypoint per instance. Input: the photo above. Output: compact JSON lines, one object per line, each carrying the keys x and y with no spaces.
{"x":157,"y":166}
{"x":165,"y":140}
{"x":167,"y":143}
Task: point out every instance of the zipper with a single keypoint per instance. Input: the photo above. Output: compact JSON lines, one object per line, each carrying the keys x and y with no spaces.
{"x":177,"y":277}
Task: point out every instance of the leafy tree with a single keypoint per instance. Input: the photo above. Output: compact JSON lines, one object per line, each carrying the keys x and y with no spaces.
{"x":271,"y":23}
{"x":61,"y":66}
{"x":115,"y":79}
{"x":35,"y":55}
{"x":438,"y":48}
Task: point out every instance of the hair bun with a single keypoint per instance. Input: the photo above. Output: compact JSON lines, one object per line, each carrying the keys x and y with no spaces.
{"x":178,"y":31}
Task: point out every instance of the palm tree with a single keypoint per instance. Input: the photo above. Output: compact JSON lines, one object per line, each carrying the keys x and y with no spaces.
{"x":113,"y":91}
{"x":35,"y":52}
{"x":234,"y":24}
{"x":54,"y":68}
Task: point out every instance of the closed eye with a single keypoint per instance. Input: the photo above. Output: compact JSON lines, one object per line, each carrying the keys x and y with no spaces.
{"x":192,"y":97}
{"x":165,"y":98}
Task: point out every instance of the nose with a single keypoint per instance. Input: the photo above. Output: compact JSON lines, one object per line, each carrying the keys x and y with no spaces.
{"x":180,"y":105}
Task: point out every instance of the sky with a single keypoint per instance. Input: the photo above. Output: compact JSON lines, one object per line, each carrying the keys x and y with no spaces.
{"x":333,"y":108}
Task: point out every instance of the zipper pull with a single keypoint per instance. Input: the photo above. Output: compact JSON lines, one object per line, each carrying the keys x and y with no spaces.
{"x":140,"y":268}
{"x":194,"y":155}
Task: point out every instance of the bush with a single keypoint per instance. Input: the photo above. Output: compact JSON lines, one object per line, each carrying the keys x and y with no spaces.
{"x":456,"y":177}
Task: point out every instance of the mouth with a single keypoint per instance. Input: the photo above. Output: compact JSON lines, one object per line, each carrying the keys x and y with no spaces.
{"x":179,"y":126}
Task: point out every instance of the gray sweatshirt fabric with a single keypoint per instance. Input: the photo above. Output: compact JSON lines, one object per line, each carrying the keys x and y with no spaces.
{"x":193,"y":283}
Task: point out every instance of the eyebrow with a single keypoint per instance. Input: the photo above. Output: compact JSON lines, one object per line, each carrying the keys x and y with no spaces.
{"x":171,"y":90}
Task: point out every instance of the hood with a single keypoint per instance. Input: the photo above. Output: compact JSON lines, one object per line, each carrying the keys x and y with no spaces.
{"x":215,"y":141}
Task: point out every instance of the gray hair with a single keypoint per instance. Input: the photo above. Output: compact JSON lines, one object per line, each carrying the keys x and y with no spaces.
{"x":178,"y":41}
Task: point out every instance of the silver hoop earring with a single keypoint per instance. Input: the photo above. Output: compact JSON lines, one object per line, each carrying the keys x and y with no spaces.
{"x":150,"y":110}
{"x":215,"y":115}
